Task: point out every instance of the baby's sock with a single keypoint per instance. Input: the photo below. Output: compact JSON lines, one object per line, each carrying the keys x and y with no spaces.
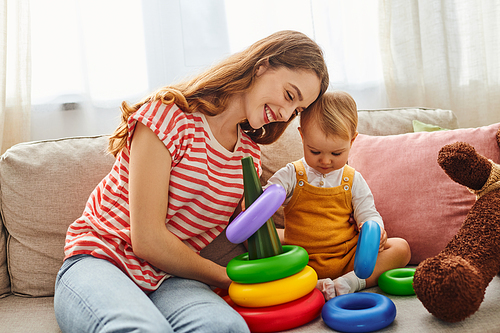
{"x":349,"y":283}
{"x":346,"y":284}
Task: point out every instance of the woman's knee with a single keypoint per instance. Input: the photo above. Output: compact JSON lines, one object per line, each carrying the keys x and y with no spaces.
{"x":226,"y":320}
{"x":208,"y":316}
{"x":93,"y":295}
{"x":191,"y":306}
{"x":234,"y":326}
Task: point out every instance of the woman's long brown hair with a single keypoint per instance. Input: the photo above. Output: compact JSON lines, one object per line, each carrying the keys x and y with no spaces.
{"x":209,"y":91}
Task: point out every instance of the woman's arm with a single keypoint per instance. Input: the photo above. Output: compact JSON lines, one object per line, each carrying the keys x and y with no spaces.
{"x":149,"y":176}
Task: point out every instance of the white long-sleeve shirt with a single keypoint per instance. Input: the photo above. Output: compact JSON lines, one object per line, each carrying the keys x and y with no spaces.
{"x":362,"y":197}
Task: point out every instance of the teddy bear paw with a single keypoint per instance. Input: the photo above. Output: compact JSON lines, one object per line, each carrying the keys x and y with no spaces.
{"x":459,"y":285}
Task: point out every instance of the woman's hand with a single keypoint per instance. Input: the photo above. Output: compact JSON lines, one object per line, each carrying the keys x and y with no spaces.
{"x":281,"y":235}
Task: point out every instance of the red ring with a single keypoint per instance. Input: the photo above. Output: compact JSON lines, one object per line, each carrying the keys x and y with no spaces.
{"x":283,"y":316}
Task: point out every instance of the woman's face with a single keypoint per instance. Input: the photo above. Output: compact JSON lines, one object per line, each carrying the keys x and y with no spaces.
{"x":277,"y":93}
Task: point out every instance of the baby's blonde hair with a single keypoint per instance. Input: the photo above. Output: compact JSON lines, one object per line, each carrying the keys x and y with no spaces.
{"x":335,"y":112}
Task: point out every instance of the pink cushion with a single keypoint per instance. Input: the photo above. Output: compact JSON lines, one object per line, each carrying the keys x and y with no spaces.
{"x":416,"y":199}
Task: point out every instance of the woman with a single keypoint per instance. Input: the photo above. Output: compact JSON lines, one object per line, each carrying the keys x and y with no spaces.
{"x":131,"y":260}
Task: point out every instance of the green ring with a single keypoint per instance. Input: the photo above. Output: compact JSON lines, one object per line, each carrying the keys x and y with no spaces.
{"x":293,"y":260}
{"x":398,"y":281}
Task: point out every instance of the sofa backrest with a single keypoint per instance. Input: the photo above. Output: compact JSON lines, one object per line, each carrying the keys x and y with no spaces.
{"x":44,"y":186}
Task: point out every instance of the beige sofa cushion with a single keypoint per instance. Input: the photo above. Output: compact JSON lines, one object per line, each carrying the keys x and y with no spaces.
{"x":371,"y":122}
{"x":44,"y":188}
{"x":398,"y":121}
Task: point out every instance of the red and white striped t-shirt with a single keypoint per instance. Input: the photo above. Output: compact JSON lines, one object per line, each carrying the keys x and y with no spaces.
{"x":206,"y":184}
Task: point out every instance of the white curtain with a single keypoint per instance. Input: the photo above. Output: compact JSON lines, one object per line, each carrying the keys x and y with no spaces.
{"x":443,"y":54}
{"x":15,"y":72}
{"x":89,"y":55}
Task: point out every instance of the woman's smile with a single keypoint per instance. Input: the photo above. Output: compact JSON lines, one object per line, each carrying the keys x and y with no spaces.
{"x":270,"y":115}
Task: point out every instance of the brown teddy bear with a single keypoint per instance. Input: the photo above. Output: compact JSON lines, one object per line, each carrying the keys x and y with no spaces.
{"x":452,"y":284}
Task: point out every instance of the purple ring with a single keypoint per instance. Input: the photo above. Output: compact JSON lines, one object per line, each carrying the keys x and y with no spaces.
{"x":254,"y":217}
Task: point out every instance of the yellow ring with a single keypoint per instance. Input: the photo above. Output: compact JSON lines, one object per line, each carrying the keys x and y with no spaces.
{"x":274,"y":292}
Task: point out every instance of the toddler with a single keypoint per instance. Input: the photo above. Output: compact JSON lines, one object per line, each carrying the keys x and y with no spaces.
{"x":328,"y":201}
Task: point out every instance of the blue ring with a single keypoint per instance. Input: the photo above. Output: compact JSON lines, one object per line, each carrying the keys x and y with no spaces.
{"x":359,"y":312}
{"x":367,"y":249}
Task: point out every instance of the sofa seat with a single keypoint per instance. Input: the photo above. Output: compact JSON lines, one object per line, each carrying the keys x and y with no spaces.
{"x":27,"y":314}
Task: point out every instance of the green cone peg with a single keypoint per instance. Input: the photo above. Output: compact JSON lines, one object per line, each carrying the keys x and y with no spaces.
{"x":265,"y":241}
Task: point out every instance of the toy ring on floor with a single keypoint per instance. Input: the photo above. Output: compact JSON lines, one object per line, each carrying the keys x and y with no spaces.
{"x":252,"y":218}
{"x":274,"y":292}
{"x":359,"y":312}
{"x":398,"y":281}
{"x":367,"y":249}
{"x":284,"y":316}
{"x":242,"y":270}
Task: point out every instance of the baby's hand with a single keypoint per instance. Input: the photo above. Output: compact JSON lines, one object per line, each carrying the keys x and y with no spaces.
{"x":383,"y":239}
{"x":353,"y":221}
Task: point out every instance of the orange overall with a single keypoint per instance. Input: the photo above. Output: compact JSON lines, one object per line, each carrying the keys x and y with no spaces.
{"x":318,"y":220}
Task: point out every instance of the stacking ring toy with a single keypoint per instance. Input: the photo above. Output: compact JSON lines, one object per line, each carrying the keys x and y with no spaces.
{"x":284,"y":316}
{"x":275,"y":292}
{"x":252,"y":218}
{"x":367,"y":249}
{"x":398,"y":281}
{"x":359,"y":312}
{"x":242,"y":270}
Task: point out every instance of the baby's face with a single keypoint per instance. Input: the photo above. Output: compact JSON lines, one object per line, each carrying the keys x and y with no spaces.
{"x":324,"y":153}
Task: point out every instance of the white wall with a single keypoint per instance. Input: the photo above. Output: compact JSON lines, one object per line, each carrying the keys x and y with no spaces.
{"x":52,"y":122}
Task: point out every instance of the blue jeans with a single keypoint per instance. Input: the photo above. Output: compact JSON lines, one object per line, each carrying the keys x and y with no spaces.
{"x":93,"y":295}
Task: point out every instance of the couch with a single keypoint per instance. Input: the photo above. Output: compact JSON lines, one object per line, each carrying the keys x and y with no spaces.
{"x":44,"y":186}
